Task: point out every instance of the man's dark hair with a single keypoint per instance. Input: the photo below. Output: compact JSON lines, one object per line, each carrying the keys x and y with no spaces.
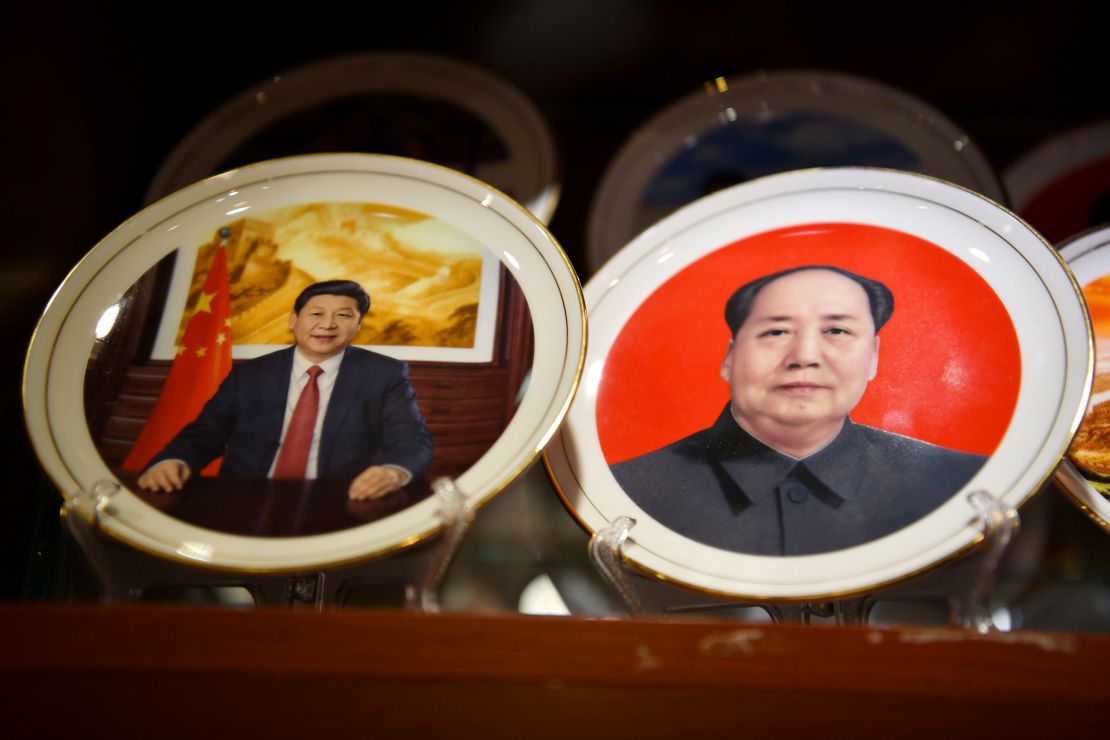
{"x":739,"y":306}
{"x":349,"y":288}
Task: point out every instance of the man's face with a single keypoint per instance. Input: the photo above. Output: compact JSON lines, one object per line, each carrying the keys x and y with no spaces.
{"x":325,"y":325}
{"x":803,"y":357}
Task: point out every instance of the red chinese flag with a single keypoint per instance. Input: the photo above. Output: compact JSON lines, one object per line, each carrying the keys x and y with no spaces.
{"x":202,"y":362}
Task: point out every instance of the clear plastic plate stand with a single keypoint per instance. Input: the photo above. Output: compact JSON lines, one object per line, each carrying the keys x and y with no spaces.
{"x":605,"y":549}
{"x":606,"y":554}
{"x":966,"y":585}
{"x":126,"y":574}
{"x":1000,"y":523}
{"x":410,"y":577}
{"x":81,"y":517}
{"x":456,"y":515}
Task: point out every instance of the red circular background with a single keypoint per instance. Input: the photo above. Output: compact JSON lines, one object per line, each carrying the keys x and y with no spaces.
{"x":949,"y":362}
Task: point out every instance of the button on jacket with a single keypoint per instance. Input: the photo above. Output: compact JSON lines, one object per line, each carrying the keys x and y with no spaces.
{"x":724,"y":488}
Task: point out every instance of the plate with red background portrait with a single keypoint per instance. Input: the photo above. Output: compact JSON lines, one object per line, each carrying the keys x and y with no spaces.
{"x":805,"y":454}
{"x":1085,"y":474}
{"x":737,"y":128}
{"x":467,"y":288}
{"x":404,"y":104}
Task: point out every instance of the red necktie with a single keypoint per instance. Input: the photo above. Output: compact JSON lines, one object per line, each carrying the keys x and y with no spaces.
{"x":293,"y":458}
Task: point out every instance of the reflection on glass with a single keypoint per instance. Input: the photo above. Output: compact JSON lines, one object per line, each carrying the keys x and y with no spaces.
{"x":106,"y":321}
{"x":196,"y":550}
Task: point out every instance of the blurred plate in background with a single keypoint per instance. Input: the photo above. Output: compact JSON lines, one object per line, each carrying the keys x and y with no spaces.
{"x":411,"y":105}
{"x":738,"y":128}
{"x":1062,"y":187}
{"x":1085,"y":475}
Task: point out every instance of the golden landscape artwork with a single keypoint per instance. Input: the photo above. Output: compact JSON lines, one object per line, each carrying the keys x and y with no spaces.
{"x":423,"y":275}
{"x":1090,"y":449}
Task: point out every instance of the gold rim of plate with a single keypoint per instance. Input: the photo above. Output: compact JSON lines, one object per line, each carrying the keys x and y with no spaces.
{"x":65,"y":487}
{"x":1058,"y":456}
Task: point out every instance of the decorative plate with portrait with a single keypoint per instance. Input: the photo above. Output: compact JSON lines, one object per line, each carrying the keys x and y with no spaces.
{"x":738,"y":128}
{"x":445,"y":325}
{"x":1085,"y":474}
{"x":792,"y":385}
{"x":405,"y":104}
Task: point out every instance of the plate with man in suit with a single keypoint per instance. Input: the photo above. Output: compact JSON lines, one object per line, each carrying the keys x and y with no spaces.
{"x":269,"y":369}
{"x":320,"y":408}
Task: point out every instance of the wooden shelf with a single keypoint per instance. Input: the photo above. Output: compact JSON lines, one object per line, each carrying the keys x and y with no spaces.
{"x":148,"y":671}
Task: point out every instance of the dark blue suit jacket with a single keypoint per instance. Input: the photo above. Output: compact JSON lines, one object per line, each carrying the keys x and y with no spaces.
{"x":371,"y":419}
{"x":723,"y":487}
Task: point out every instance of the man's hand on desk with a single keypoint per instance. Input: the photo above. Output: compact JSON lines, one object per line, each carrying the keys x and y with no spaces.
{"x":376,"y":481}
{"x":166,"y":476}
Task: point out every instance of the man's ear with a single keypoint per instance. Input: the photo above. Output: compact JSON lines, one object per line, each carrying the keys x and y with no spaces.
{"x":726,"y":364}
{"x":292,"y":319}
{"x":874,"y":360}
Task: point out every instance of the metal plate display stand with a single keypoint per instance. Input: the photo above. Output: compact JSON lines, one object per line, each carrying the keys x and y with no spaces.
{"x":967,"y":585}
{"x":410,"y":577}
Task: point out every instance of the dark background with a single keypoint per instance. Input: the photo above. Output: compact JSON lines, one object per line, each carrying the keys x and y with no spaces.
{"x":94,"y":99}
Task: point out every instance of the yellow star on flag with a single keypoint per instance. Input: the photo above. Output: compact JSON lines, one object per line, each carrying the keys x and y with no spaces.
{"x":204,"y":303}
{"x":227,"y":323}
{"x":201,"y":351}
{"x":221,"y":338}
{"x":180,"y":349}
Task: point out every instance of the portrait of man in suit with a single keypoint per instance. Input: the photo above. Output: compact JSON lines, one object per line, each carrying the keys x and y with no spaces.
{"x":318,"y":409}
{"x":784,"y":470}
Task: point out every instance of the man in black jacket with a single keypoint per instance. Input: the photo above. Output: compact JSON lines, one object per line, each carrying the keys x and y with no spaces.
{"x":784,"y":470}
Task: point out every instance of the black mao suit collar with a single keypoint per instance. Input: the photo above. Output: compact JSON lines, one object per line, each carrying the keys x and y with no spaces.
{"x":756,"y":469}
{"x":722,"y":487}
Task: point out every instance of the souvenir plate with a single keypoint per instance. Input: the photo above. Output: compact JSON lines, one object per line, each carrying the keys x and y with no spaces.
{"x":1085,"y":474}
{"x":1062,"y":187}
{"x":984,"y":367}
{"x":405,"y":104}
{"x":410,"y":232}
{"x":739,"y":128}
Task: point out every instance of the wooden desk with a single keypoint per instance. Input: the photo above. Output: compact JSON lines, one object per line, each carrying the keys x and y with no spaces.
{"x":260,"y":507}
{"x":141,"y":671}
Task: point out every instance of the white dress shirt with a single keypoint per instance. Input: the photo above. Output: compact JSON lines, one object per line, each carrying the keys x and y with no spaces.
{"x":325,"y":382}
{"x":298,"y":379}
